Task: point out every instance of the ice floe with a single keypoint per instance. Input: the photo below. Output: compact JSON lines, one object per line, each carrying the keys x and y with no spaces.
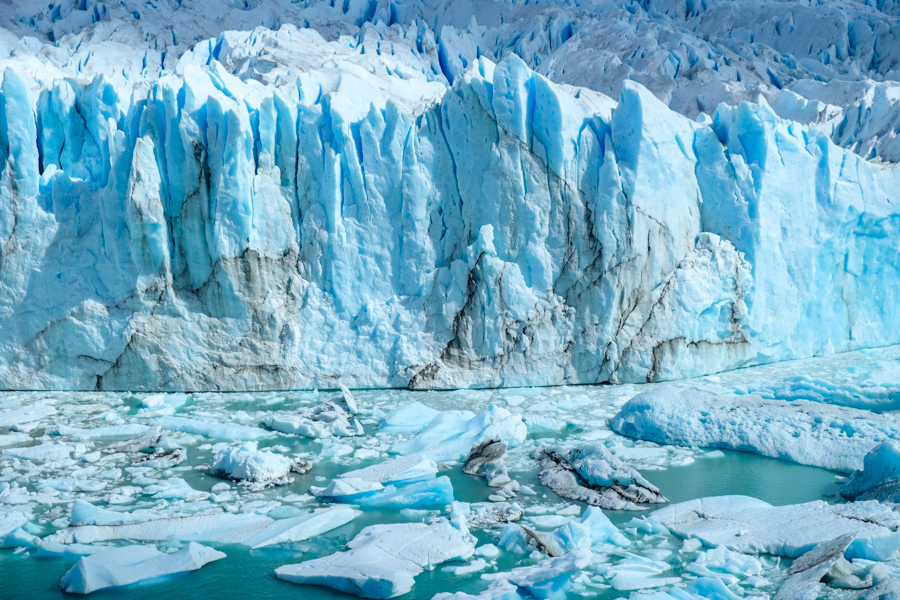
{"x":750,"y":525}
{"x":808,"y":433}
{"x":451,"y":434}
{"x":383,"y":560}
{"x":131,"y":564}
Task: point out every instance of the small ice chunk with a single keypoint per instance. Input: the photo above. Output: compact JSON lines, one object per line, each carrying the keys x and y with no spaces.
{"x":592,"y":474}
{"x":258,"y":468}
{"x":410,"y":418}
{"x":130,"y":564}
{"x":486,"y":460}
{"x":174,"y":489}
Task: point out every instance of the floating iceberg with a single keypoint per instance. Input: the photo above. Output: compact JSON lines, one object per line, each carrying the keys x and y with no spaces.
{"x":548,"y":579}
{"x":451,"y":435}
{"x":214,"y":430}
{"x":303,"y":527}
{"x":214,"y":528}
{"x":808,"y":433}
{"x":592,"y":529}
{"x":824,"y":563}
{"x":383,"y":560}
{"x":131,"y":564}
{"x":591,"y":474}
{"x":331,"y":418}
{"x":433,"y":492}
{"x":486,"y":459}
{"x":409,"y":418}
{"x":256,"y":468}
{"x":750,"y":525}
{"x":879,"y":479}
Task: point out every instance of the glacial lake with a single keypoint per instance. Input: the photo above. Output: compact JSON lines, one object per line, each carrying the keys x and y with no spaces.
{"x":570,"y":415}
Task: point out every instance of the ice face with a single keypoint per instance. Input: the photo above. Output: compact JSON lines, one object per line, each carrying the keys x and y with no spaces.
{"x":425,"y":217}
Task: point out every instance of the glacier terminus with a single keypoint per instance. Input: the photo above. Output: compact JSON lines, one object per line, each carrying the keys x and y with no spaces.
{"x":392,"y":197}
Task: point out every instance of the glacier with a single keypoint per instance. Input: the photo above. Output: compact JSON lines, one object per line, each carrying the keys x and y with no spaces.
{"x":389,"y":196}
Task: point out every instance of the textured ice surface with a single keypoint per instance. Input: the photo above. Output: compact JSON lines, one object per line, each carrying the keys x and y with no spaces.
{"x":415,"y":194}
{"x":451,"y":434}
{"x":383,"y":560}
{"x":131,"y":564}
{"x":879,"y":477}
{"x":751,"y":525}
{"x":804,"y":432}
{"x":591,"y":474}
{"x":247,"y":463}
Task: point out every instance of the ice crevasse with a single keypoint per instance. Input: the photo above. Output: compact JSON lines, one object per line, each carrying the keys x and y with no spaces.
{"x":202,"y":232}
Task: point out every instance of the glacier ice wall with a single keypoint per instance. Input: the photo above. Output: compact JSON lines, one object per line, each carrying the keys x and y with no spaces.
{"x":376,"y":227}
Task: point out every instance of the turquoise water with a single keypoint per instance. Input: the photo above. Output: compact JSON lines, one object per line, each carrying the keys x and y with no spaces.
{"x":580,"y":412}
{"x":251,"y":575}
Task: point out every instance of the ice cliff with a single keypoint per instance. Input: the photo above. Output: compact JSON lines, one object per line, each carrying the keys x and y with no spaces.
{"x":270,"y":209}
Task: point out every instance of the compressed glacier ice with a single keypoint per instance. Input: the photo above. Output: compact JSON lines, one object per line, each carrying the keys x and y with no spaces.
{"x":808,"y":433}
{"x":879,"y":476}
{"x":451,"y":435}
{"x":403,"y":469}
{"x":592,"y":529}
{"x":366,"y":492}
{"x":383,"y":560}
{"x":750,"y":525}
{"x":592,"y":474}
{"x":486,"y":459}
{"x":130,"y":564}
{"x":288,"y":208}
